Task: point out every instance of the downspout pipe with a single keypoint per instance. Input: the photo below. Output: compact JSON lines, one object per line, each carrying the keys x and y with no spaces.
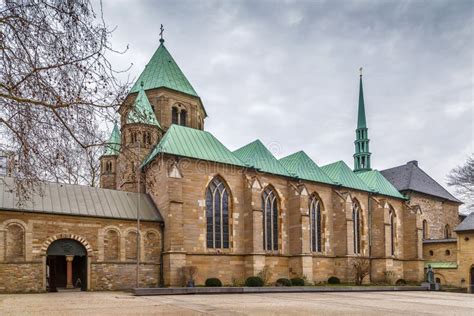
{"x":369,"y":206}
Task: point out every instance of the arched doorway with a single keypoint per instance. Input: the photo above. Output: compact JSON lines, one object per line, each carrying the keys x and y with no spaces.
{"x":66,"y":265}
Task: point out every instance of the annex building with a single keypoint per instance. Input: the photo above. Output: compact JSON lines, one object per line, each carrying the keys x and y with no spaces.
{"x":230,"y":214}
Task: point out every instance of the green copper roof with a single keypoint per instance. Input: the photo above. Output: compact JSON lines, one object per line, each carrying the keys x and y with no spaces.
{"x":441,"y":265}
{"x":361,"y":115}
{"x":113,"y":144}
{"x":300,"y":165}
{"x":162,"y":71}
{"x":193,"y":143}
{"x":377,"y":182}
{"x":141,"y":111}
{"x":341,"y":174}
{"x":258,"y":156}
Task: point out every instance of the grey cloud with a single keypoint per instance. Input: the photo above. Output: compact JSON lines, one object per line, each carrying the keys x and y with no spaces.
{"x":287,"y":72}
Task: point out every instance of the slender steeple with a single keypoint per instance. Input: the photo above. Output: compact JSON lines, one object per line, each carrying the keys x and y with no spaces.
{"x":362,"y":154}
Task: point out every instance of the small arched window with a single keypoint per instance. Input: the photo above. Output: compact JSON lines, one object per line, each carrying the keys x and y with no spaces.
{"x":15,"y":242}
{"x":183,"y":117}
{"x":447,"y":232}
{"x":356,"y":226}
{"x":270,"y":219}
{"x":425,"y":229}
{"x":108,"y":166}
{"x":316,"y":224}
{"x":174,"y":115}
{"x":392,"y":231}
{"x":217,"y":214}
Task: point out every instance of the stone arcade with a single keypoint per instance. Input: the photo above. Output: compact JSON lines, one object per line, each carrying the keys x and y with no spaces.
{"x":229,"y":213}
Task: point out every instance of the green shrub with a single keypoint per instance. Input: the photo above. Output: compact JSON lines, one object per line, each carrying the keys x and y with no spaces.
{"x":334,"y":280}
{"x":283,"y":282}
{"x":297,"y":282}
{"x":215,"y":282}
{"x":401,"y":282}
{"x":254,"y":281}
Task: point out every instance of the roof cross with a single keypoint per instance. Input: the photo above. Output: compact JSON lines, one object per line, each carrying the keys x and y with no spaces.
{"x":161,"y":33}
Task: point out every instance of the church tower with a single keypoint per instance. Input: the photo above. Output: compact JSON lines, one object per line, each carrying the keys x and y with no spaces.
{"x":108,"y":161}
{"x":362,"y":154}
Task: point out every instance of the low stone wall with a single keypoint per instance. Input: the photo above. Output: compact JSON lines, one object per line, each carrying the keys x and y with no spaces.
{"x":21,"y":277}
{"x":122,"y":276}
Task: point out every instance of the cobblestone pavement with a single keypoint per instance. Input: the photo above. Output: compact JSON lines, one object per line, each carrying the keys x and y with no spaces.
{"x":120,"y":303}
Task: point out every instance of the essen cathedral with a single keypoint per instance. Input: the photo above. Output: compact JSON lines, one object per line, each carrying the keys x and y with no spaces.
{"x":230,"y":214}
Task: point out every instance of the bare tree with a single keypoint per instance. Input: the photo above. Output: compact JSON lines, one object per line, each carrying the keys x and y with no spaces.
{"x":360,"y":269}
{"x":57,"y":88}
{"x":462,"y":178}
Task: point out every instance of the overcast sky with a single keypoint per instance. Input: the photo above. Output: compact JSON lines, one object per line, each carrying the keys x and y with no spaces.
{"x":286,"y":72}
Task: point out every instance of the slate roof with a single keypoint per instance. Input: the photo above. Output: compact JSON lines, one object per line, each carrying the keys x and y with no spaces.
{"x":377,"y":182}
{"x":303,"y":167}
{"x":410,"y":177}
{"x":68,"y":199}
{"x":467,"y":224}
{"x":256,"y":155}
{"x":162,"y":71}
{"x":342,"y":175}
{"x":141,"y":111}
{"x":113,"y":144}
{"x":193,"y":143}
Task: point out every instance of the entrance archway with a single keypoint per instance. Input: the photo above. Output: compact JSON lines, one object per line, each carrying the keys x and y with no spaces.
{"x":66,"y":265}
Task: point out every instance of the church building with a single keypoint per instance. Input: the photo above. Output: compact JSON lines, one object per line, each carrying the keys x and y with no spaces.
{"x":228,"y":213}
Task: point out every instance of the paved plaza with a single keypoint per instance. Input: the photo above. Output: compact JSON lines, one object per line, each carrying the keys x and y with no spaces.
{"x":120,"y":303}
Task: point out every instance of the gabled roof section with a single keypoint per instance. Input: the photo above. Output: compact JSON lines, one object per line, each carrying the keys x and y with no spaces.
{"x":467,"y":224}
{"x":302,"y":166}
{"x":410,"y":177}
{"x":162,"y":71}
{"x":256,"y":155}
{"x":79,"y":200}
{"x":113,"y":144}
{"x":142,"y":111}
{"x":342,"y":175}
{"x":377,"y":182}
{"x":193,"y":143}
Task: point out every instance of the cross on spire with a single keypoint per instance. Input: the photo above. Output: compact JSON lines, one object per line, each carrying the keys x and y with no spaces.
{"x":161,"y":33}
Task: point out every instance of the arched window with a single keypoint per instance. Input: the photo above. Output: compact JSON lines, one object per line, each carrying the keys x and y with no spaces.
{"x":15,"y":243}
{"x":111,"y":245}
{"x":392,"y":232}
{"x":447,"y":232}
{"x":183,"y":117}
{"x":270,"y":219}
{"x":174,"y":115}
{"x":425,"y":229}
{"x":316,"y":224}
{"x":217,"y":214}
{"x":131,"y":246}
{"x":356,"y":227}
{"x":108,"y":166}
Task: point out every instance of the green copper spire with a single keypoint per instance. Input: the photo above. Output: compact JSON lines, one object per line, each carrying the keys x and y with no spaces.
{"x":362,"y":154}
{"x":142,"y":111}
{"x":361,"y":114}
{"x":113,"y":144}
{"x":162,"y":71}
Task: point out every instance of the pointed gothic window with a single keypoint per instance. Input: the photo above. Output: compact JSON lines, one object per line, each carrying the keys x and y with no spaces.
{"x":217,"y":214}
{"x":174,"y":115}
{"x":183,"y":117}
{"x":270,"y":219}
{"x":356,"y":226}
{"x":316,"y":224}
{"x":392,"y":232}
{"x":425,"y":229}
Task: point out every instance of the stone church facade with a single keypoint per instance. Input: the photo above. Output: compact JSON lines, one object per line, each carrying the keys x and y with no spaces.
{"x":230,"y":214}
